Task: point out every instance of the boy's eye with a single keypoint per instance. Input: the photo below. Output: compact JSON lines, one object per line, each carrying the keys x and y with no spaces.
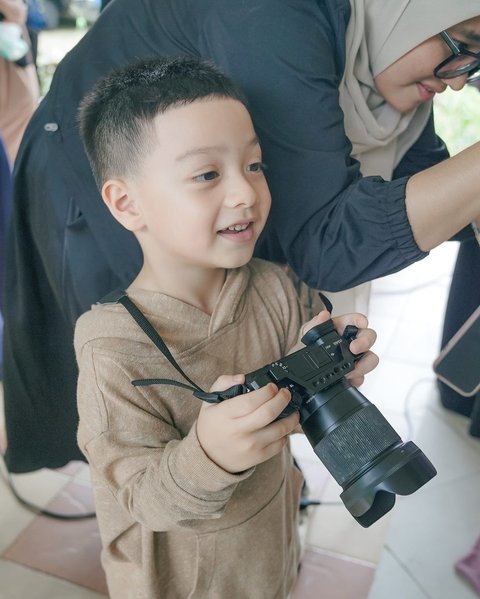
{"x":208,"y":176}
{"x":257,"y":167}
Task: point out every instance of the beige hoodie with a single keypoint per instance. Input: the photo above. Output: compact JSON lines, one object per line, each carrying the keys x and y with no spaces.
{"x":174,"y":524}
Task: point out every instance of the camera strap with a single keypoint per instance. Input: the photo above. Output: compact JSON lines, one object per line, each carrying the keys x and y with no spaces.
{"x":121,"y":297}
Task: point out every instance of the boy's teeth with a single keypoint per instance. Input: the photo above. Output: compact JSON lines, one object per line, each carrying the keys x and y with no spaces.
{"x":237,"y":227}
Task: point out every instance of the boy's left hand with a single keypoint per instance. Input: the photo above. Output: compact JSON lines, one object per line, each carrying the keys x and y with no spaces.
{"x":361,"y":344}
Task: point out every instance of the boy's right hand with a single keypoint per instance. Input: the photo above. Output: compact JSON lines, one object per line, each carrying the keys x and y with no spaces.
{"x":239,"y":433}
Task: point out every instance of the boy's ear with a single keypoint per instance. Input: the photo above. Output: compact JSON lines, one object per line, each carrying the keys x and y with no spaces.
{"x":117,"y":195}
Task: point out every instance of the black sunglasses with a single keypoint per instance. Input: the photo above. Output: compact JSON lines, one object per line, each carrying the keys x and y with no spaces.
{"x":461,"y":61}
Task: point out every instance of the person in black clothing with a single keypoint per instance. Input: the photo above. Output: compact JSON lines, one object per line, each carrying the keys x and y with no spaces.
{"x":463,"y":300}
{"x":336,"y":219}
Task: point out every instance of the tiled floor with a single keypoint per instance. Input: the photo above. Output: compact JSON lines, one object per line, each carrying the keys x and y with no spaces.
{"x":408,"y":554}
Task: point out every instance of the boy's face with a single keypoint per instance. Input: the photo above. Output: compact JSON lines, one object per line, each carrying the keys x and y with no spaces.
{"x":201,"y":191}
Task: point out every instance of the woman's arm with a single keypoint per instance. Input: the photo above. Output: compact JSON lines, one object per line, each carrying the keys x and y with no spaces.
{"x":428,"y":151}
{"x":444,"y":198}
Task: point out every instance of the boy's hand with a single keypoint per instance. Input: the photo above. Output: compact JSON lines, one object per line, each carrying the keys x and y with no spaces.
{"x":361,"y":344}
{"x":240,"y":432}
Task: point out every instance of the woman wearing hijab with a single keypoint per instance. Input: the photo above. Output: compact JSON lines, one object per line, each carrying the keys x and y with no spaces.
{"x":335,"y":222}
{"x":380,"y":137}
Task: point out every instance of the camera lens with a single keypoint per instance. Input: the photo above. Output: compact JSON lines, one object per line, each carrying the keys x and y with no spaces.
{"x":362,"y":451}
{"x":364,"y":454}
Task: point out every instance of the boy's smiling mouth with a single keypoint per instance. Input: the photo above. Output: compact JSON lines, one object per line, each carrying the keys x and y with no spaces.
{"x":237,"y":228}
{"x":239,"y":231}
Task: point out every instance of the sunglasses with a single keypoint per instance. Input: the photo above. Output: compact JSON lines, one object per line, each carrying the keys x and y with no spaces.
{"x":461,"y":61}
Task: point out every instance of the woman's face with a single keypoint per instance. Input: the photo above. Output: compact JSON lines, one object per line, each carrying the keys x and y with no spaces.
{"x":409,"y":81}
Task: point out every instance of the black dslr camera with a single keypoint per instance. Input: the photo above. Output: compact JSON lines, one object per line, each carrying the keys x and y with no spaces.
{"x":354,"y":441}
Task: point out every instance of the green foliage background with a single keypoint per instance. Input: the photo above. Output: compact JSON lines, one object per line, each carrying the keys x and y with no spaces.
{"x":457,"y":117}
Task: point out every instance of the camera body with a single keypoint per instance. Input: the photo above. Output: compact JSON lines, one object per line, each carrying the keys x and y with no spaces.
{"x":321,"y":364}
{"x":364,"y":454}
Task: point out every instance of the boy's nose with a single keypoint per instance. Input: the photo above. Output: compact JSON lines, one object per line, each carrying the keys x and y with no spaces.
{"x":241,"y":192}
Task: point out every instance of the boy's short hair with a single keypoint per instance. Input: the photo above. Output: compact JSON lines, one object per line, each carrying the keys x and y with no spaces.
{"x":116,"y":116}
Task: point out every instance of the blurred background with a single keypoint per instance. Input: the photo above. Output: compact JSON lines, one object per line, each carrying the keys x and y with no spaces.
{"x":66,"y":21}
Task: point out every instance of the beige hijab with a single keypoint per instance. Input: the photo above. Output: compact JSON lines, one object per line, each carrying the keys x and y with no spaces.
{"x":378,"y":34}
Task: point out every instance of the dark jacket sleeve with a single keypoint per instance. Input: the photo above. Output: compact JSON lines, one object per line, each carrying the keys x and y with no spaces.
{"x":333,"y":226}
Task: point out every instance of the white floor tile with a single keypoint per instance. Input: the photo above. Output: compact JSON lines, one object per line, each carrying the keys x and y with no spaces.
{"x":417,"y":340}
{"x":13,"y":518}
{"x":19,"y":582}
{"x":39,"y":487}
{"x":334,"y":529}
{"x":36,"y":487}
{"x":392,"y":382}
{"x":453,"y":458}
{"x":385,"y":327}
{"x":457,"y":422}
{"x":436,"y":268}
{"x":385,"y":304}
{"x":434,"y":529}
{"x":83,"y":474}
{"x":392,"y":576}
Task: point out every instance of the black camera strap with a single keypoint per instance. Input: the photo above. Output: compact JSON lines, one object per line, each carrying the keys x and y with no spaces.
{"x":121,"y":297}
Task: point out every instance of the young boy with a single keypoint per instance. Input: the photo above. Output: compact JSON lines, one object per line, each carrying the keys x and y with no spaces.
{"x":193,"y":500}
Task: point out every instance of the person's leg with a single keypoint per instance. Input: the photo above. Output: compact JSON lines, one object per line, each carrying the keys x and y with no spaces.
{"x":475,"y":417}
{"x":463,"y":299}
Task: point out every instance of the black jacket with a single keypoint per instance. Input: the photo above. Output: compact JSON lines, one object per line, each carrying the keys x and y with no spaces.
{"x":65,"y":252}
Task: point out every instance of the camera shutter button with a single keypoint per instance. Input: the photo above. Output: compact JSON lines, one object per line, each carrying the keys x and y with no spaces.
{"x":350,"y":332}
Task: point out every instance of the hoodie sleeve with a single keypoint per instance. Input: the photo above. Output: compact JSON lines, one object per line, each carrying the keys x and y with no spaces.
{"x":161,"y":479}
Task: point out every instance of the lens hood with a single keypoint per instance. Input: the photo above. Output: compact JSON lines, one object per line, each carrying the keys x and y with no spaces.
{"x":403,"y":470}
